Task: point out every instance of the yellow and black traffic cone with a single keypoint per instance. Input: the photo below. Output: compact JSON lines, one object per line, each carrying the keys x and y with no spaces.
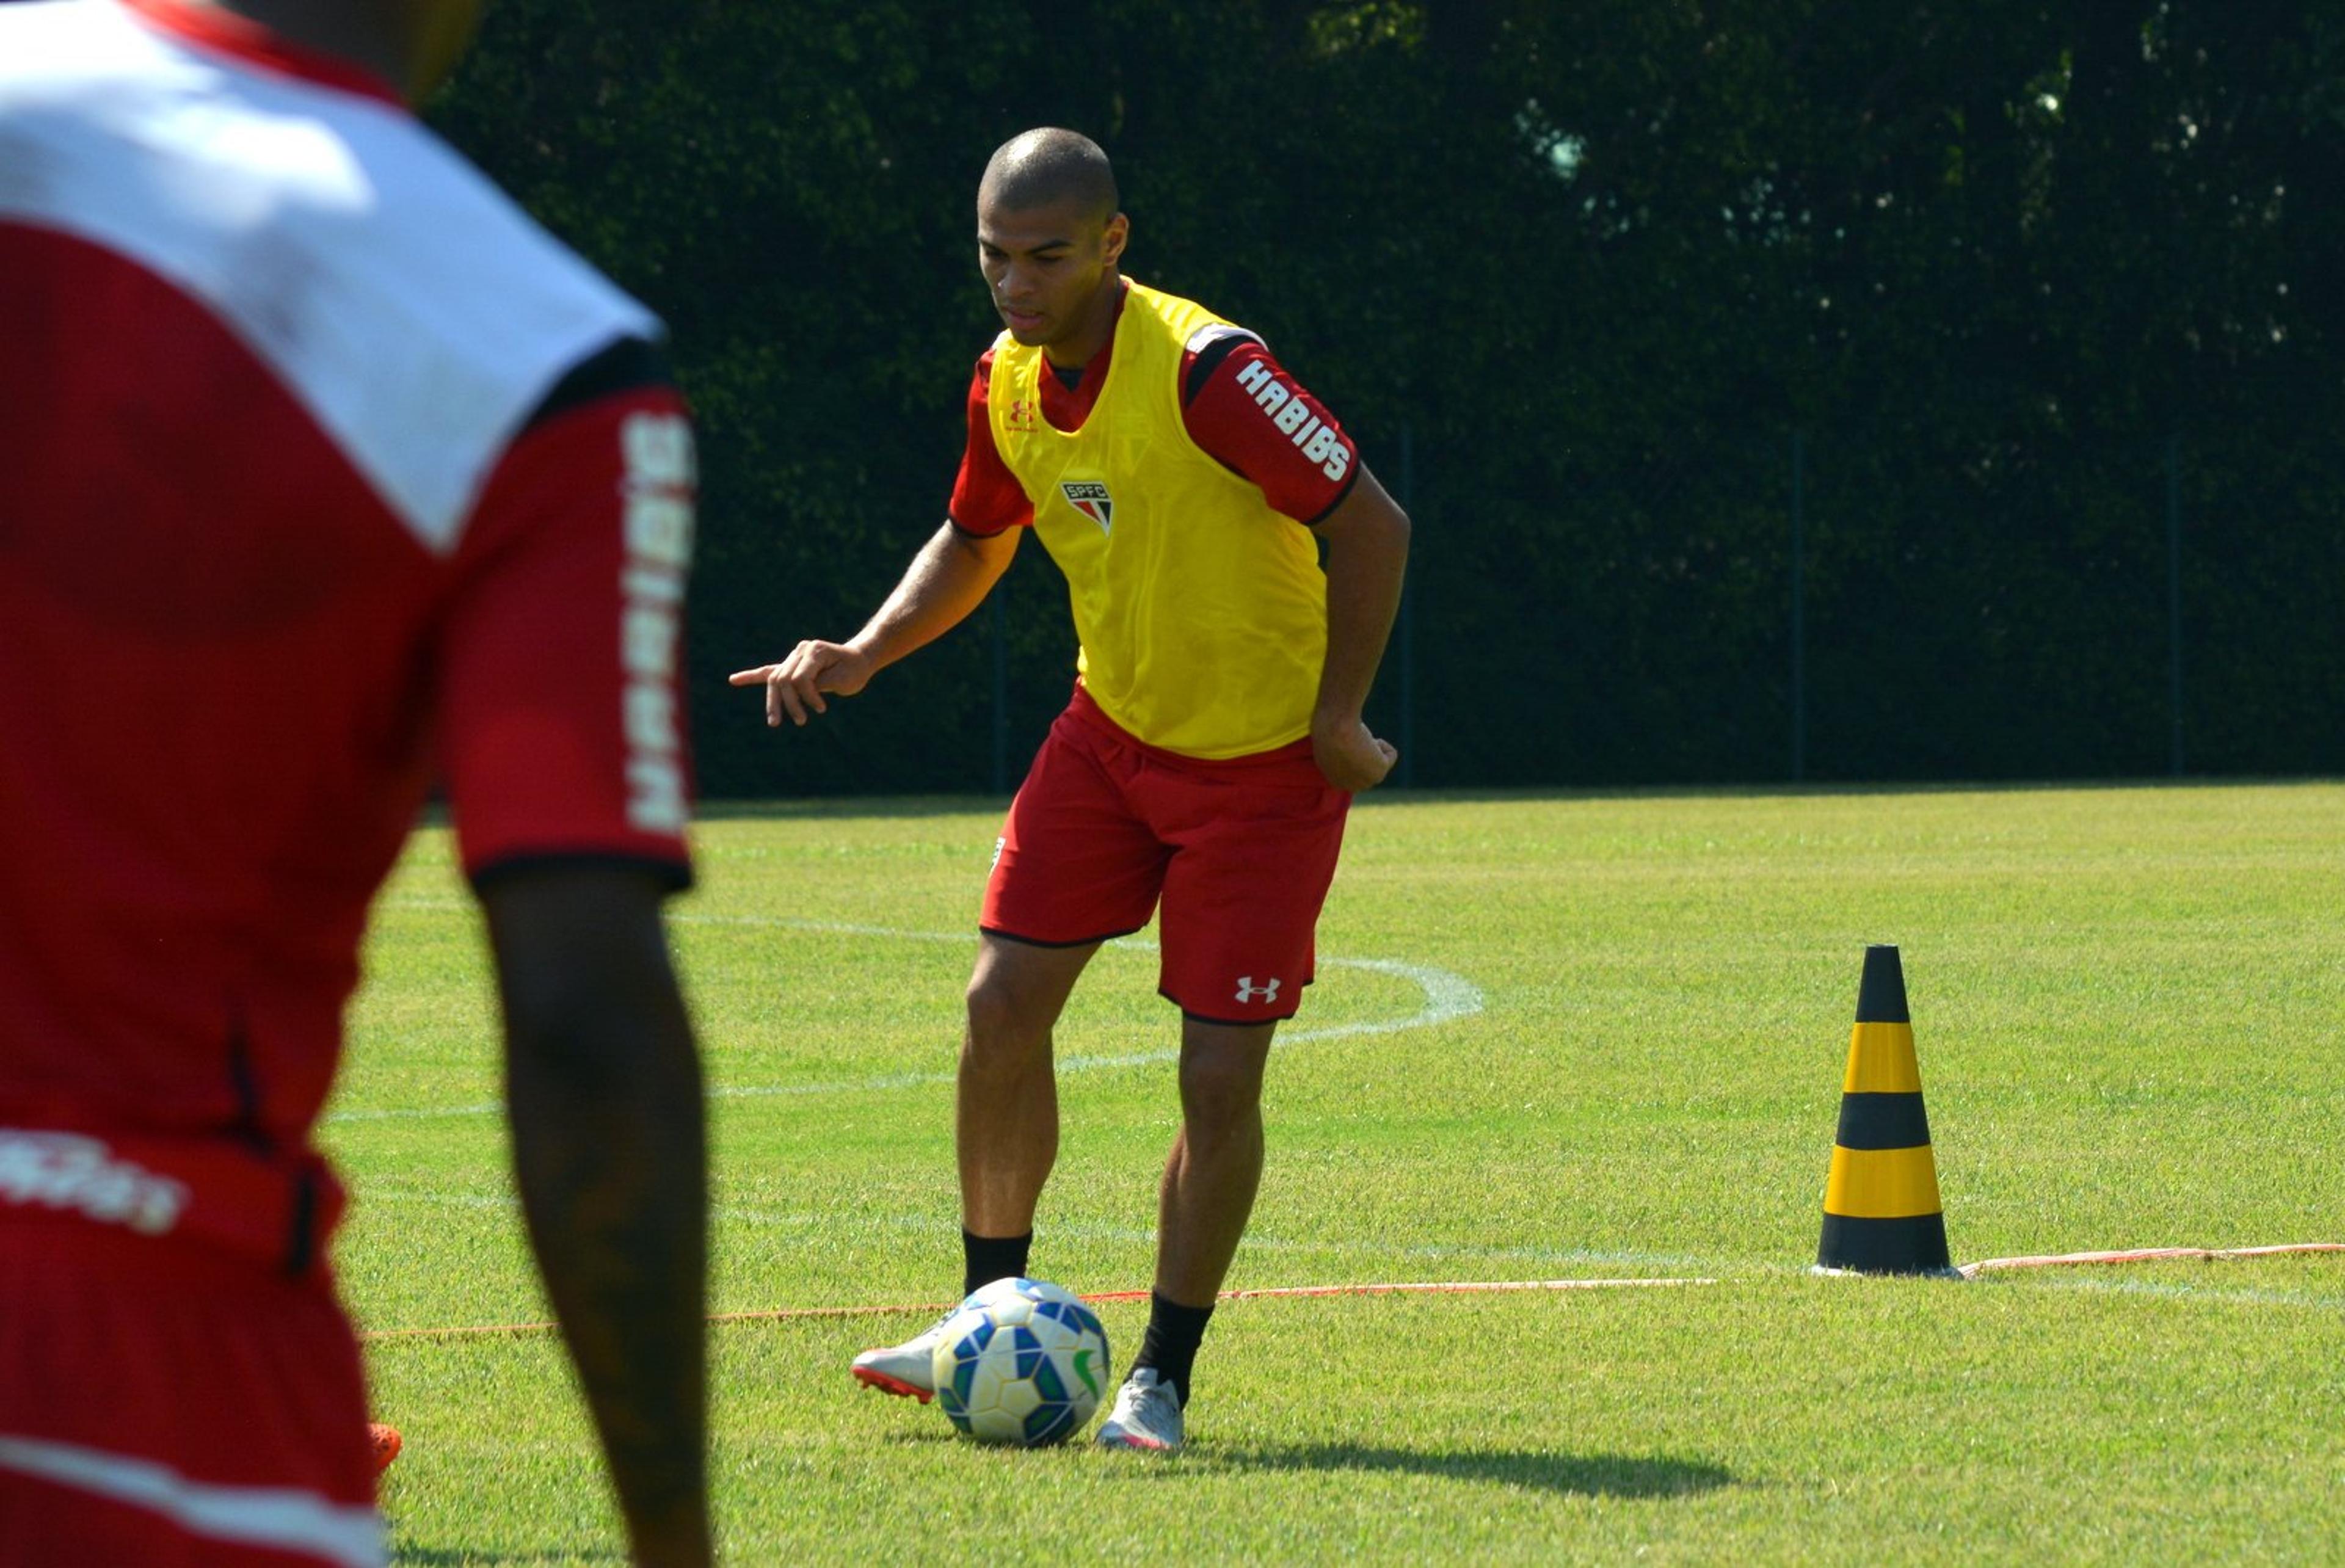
{"x":1882,"y":1214}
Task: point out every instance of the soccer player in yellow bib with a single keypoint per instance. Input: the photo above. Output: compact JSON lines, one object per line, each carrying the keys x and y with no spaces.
{"x":1178,"y":475}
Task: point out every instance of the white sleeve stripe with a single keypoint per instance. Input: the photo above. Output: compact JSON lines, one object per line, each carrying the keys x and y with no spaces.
{"x":412,"y":309}
{"x":282,"y":1517}
{"x":1213,"y":332}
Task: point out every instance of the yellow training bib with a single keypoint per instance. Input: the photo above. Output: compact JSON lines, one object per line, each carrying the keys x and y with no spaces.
{"x":1202,"y":611}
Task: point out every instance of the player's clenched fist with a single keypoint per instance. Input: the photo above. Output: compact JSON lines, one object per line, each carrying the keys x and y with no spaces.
{"x":1349,"y":757}
{"x":799,"y":682}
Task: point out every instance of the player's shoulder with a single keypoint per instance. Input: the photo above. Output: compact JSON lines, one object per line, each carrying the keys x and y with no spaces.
{"x":1220,"y":339}
{"x":467,"y":264}
{"x":980,"y":381}
{"x":409,"y":305}
{"x":1208,"y":339}
{"x":1220,"y":350}
{"x":482,"y":310}
{"x":1183,"y":317}
{"x":47,"y":40}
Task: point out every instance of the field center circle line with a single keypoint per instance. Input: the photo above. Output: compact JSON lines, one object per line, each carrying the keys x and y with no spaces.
{"x":1447,"y":996}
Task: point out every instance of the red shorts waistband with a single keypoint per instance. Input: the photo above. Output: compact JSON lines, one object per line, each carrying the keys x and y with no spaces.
{"x":1084,"y":709}
{"x":275,"y":1210}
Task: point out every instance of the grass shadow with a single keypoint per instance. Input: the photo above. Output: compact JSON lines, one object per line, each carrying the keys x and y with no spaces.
{"x":1584,"y":1475}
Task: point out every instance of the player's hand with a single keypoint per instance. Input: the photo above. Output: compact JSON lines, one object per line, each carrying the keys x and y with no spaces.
{"x":1352,"y":759}
{"x":797,"y":684}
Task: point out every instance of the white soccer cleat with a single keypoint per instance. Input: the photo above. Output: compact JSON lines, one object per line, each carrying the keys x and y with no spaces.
{"x":1147,"y":1415}
{"x":909,"y":1369}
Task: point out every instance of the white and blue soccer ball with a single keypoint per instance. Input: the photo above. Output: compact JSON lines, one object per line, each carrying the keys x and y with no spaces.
{"x":1021,"y":1361}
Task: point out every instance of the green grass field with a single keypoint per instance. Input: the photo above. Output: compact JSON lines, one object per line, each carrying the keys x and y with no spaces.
{"x":1552,"y":1037}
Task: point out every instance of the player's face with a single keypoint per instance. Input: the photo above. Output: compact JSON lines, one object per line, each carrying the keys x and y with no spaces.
{"x":1045,"y":268}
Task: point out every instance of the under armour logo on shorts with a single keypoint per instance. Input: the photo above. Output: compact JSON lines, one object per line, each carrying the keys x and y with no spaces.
{"x":1248,"y":991}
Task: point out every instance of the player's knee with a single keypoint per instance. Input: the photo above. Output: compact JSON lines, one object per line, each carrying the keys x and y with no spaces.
{"x":1220,"y":1089}
{"x":1006,"y":1030}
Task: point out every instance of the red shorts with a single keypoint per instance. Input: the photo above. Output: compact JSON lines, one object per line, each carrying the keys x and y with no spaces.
{"x":168,"y":1403}
{"x":1241,"y":852}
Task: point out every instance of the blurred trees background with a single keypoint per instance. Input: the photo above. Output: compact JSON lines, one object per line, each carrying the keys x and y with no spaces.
{"x":2020,"y":322}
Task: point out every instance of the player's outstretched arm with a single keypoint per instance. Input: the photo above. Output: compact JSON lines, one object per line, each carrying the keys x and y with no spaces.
{"x":610,"y":1154}
{"x":948,"y":579}
{"x":1367,"y":556}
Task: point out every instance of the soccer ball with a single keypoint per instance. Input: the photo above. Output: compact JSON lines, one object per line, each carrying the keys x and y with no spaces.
{"x":1021,"y":1361}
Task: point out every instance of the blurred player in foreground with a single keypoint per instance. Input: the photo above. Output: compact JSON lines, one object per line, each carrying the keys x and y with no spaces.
{"x":323,"y":471}
{"x":1177,"y":474}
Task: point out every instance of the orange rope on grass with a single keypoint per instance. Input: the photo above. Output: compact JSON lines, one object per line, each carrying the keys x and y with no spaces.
{"x":1427,"y":1287}
{"x":784,"y":1314}
{"x":2143,"y":1255}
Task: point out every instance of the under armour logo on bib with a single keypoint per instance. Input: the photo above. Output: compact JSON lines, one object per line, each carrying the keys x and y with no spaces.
{"x":1250,"y":992}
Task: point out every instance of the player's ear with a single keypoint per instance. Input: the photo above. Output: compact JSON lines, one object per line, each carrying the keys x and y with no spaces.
{"x":1112,"y":238}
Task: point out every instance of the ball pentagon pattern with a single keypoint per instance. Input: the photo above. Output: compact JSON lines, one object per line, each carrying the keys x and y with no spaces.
{"x":1022,"y":1363}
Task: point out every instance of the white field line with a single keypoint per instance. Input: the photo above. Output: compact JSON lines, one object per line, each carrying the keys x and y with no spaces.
{"x":1743,"y":1268}
{"x":1447,"y":997}
{"x":1707,"y":1270}
{"x":2247,"y":1296}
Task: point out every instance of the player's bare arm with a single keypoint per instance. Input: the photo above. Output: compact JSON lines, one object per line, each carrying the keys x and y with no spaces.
{"x":610,"y":1156}
{"x":1368,"y":557}
{"x":948,"y":579}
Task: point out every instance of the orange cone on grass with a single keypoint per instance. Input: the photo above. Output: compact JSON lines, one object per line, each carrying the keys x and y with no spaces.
{"x":1881,"y":1212}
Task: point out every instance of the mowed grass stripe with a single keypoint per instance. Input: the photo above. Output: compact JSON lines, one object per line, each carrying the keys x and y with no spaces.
{"x":2128,"y":1005}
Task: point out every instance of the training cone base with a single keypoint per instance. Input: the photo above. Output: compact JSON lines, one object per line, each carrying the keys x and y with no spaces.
{"x":1882,"y":1211}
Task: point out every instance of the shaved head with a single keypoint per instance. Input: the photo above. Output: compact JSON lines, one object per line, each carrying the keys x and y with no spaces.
{"x":1048,"y":167}
{"x":1049,"y":242}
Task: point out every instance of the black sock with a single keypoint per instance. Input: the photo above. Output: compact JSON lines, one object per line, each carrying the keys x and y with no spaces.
{"x":985,"y":1258}
{"x":1175,"y":1331}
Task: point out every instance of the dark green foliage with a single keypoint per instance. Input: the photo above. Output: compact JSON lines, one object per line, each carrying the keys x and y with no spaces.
{"x":2010,"y":270}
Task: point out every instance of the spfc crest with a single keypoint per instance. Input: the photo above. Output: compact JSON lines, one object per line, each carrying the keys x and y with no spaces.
{"x":1090,"y":498}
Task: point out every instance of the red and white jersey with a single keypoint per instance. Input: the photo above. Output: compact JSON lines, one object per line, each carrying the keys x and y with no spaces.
{"x":1233,"y":397}
{"x":324,"y":473}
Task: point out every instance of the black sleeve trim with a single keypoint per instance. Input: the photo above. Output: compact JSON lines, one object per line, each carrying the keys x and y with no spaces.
{"x":1209,"y":360}
{"x":1038,"y":942}
{"x":622,"y":366}
{"x":1343,"y":495}
{"x":672,"y":876}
